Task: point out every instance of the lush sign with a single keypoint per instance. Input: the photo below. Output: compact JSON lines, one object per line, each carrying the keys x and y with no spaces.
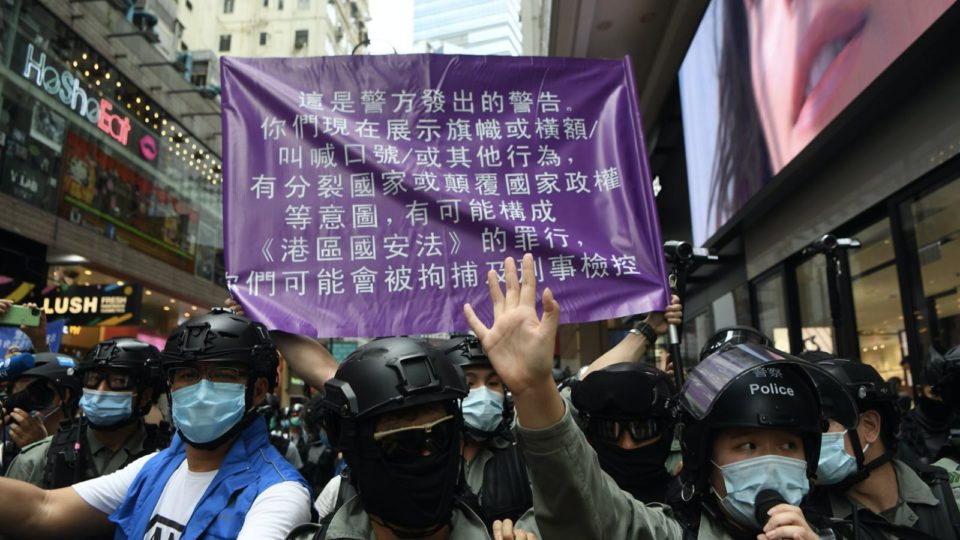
{"x":107,"y":305}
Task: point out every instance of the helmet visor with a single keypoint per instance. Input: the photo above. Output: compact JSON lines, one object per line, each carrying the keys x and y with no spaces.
{"x":707,"y":381}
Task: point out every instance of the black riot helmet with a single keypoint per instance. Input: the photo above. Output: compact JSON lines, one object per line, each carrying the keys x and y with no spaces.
{"x":408,"y":477}
{"x":870,"y":392}
{"x":223,"y":336}
{"x":625,"y":391}
{"x":60,"y":370}
{"x":632,"y":399}
{"x":835,"y":401}
{"x":141,"y":359}
{"x":387,"y":375}
{"x":942,"y":373}
{"x":466,"y":351}
{"x":733,"y":335}
{"x":747,"y":385}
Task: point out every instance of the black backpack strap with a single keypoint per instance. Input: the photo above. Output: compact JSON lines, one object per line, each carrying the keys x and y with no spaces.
{"x":68,"y":460}
{"x":152,"y":442}
{"x":938,"y":479}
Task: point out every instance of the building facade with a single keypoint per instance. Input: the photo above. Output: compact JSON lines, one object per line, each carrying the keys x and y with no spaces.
{"x":468,"y":26}
{"x":110,"y":177}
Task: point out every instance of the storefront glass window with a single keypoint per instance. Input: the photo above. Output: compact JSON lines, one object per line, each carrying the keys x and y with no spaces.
{"x":816,"y":324}
{"x":772,"y":310}
{"x":937,"y":229}
{"x":31,"y":144}
{"x":876,"y":299}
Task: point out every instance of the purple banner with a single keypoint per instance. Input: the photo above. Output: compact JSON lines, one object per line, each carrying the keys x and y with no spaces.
{"x":370,"y":195}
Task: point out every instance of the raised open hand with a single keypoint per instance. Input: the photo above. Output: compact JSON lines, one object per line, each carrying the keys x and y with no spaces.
{"x":520,"y":344}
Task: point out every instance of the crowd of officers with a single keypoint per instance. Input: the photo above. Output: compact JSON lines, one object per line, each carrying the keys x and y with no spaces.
{"x":473,"y":438}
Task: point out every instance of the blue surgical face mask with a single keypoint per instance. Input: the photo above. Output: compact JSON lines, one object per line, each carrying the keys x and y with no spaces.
{"x":745,"y":479}
{"x":483,"y":410}
{"x":206,"y":410}
{"x":105,"y":408}
{"x":835,"y":463}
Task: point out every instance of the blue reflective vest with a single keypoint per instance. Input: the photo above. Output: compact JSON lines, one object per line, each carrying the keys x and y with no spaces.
{"x":251,"y":465}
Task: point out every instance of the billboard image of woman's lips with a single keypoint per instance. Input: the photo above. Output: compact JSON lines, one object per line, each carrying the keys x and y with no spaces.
{"x":811,"y":58}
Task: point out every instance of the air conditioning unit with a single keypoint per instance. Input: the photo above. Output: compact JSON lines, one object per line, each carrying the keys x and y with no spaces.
{"x":210,"y":91}
{"x":146,"y":22}
{"x":184,"y":64}
{"x":122,"y":5}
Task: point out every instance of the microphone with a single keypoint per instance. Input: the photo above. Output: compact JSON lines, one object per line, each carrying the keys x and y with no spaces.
{"x":12,"y":367}
{"x":766,"y":499}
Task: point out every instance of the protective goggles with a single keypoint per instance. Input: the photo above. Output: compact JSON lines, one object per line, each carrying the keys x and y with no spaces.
{"x":408,"y":444}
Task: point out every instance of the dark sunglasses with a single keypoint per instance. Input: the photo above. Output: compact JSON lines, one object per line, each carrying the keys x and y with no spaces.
{"x":611,"y":430}
{"x":408,"y":444}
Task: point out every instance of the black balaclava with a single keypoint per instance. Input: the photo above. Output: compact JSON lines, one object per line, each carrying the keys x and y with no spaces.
{"x":414,"y":500}
{"x":640,"y":471}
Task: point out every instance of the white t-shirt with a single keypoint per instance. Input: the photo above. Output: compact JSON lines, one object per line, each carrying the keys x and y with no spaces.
{"x":273,"y":514}
{"x":327,"y":499}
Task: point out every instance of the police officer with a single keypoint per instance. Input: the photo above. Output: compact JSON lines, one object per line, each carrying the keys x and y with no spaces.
{"x":294,"y":423}
{"x":751,"y":424}
{"x":220,"y":477}
{"x":319,"y":459}
{"x":931,"y":431}
{"x":121,"y":380}
{"x":874,"y":493}
{"x":278,"y":437}
{"x":41,"y":399}
{"x":493,"y":464}
{"x":393,"y":409}
{"x":626,"y":412}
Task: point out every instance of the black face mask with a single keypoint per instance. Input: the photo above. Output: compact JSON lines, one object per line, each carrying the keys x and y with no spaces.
{"x":640,"y":471}
{"x":414,"y":498}
{"x":936,"y":412}
{"x":37,"y":396}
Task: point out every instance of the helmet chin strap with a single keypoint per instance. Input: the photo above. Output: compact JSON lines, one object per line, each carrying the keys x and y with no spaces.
{"x":864,"y":471}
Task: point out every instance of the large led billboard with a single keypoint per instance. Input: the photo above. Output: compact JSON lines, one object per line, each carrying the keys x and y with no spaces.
{"x":763,"y":78}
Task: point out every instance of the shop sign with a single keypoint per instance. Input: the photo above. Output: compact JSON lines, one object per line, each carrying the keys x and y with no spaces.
{"x":65,"y":85}
{"x":105,"y":305}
